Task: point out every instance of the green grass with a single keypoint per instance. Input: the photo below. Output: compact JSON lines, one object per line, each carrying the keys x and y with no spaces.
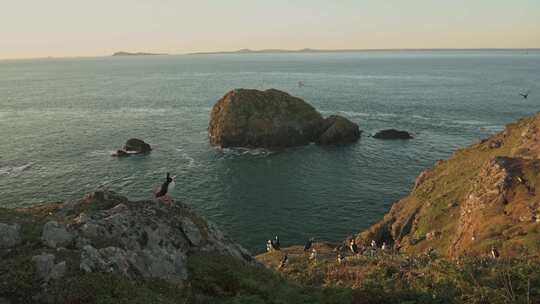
{"x":394,"y":278}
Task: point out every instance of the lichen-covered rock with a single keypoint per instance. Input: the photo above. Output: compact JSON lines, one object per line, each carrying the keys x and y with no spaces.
{"x":56,"y":235}
{"x":144,"y":239}
{"x":106,"y":233}
{"x":46,"y":268}
{"x":10,"y":235}
{"x":267,"y":119}
{"x":44,"y":264}
{"x":338,"y":130}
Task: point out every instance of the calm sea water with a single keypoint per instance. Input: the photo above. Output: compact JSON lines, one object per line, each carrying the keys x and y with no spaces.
{"x":61,"y":118}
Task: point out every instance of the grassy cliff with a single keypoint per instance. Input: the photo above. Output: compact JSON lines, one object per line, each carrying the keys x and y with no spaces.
{"x":483,"y":196}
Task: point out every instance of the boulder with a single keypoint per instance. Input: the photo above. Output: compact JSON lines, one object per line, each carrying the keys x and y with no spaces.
{"x":338,"y":130}
{"x":55,"y":235}
{"x":10,"y":235}
{"x":392,"y":134}
{"x":137,"y":145}
{"x":263,"y":119}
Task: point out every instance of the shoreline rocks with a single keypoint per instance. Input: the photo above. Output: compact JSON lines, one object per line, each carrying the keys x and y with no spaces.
{"x":273,"y":119}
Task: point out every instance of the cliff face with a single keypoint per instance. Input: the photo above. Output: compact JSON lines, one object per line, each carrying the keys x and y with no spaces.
{"x":483,"y":196}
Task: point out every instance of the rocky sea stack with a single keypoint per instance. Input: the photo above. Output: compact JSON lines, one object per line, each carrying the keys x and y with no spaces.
{"x":273,"y":119}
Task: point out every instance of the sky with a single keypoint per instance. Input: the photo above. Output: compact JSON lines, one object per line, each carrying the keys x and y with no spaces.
{"x":39,"y":28}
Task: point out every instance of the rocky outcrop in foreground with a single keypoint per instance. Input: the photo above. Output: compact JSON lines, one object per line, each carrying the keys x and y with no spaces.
{"x":273,"y":119}
{"x":106,"y":233}
{"x":484,"y":196}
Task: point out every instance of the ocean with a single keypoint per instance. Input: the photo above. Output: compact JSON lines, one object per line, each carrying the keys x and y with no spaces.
{"x":60,"y":120}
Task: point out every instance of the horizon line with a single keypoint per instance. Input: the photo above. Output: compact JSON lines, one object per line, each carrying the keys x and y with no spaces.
{"x":268,"y":51}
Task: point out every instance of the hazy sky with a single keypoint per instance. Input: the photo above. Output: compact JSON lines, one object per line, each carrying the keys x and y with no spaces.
{"x":39,"y":28}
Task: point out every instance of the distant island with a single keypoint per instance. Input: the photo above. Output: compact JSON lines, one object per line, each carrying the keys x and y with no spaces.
{"x":308,"y":50}
{"x":136,"y":54}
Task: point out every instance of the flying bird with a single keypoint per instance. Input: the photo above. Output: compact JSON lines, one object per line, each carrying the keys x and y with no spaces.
{"x":524,"y":95}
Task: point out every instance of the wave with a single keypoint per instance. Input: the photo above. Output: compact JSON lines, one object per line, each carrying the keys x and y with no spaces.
{"x":233,"y":152}
{"x":315,"y":76}
{"x":359,"y":114}
{"x":469,"y":122}
{"x":494,"y":128}
{"x":191,"y":163}
{"x":15,"y":171}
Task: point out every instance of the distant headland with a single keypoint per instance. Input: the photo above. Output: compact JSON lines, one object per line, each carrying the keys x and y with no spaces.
{"x":308,"y":50}
{"x":137,"y":54}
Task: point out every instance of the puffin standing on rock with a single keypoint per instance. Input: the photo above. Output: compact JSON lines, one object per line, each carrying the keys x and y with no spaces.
{"x":494,"y":252}
{"x":269,"y":246}
{"x":352,"y":246}
{"x":165,"y":187}
{"x":309,"y":244}
{"x":283,"y":261}
{"x":275,"y":243}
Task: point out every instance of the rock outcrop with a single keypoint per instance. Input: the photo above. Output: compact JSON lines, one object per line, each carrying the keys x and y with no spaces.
{"x":137,"y":145}
{"x":10,"y":235}
{"x":133,"y":146}
{"x":273,"y":119}
{"x":483,"y":196}
{"x":105,"y":232}
{"x":392,"y":134}
{"x":338,"y":130}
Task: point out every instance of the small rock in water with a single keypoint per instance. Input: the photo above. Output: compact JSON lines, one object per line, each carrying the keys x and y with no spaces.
{"x":392,"y":134}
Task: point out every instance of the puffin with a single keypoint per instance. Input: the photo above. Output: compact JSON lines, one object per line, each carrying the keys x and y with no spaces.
{"x":494,"y":252}
{"x":373,"y":244}
{"x":269,"y":246}
{"x":383,"y":247}
{"x":340,"y":258}
{"x":353,"y":246}
{"x":283,"y":261}
{"x":275,"y":243}
{"x":313,"y":255}
{"x":309,"y":244}
{"x":166,"y":186}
